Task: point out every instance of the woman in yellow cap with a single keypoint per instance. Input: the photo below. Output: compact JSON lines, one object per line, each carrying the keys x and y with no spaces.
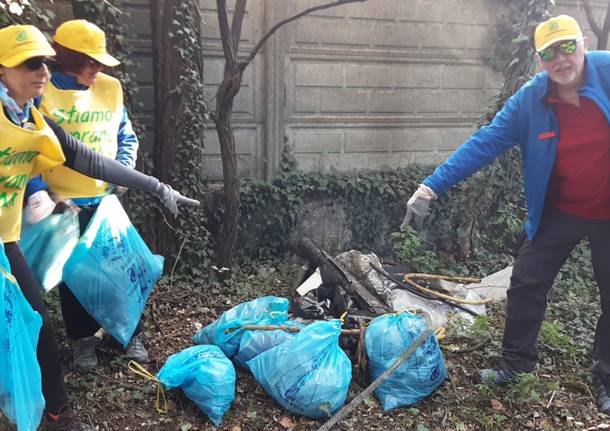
{"x":89,"y":105}
{"x":31,"y":144}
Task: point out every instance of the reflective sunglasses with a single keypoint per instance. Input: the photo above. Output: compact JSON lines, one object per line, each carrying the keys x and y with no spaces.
{"x":36,"y":63}
{"x":565,"y":48}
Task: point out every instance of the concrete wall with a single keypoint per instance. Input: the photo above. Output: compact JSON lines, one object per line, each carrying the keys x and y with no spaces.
{"x":366,"y":85}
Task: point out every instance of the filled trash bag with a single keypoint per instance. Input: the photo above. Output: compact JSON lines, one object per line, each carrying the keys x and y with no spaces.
{"x":21,"y":398}
{"x":309,"y":374}
{"x":205,"y":375}
{"x":386,"y":338}
{"x":48,"y":244}
{"x":226,"y":331}
{"x":111,"y":271}
{"x":254,"y":343}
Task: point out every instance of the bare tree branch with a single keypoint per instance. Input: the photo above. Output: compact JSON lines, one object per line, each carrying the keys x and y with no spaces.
{"x":238,"y":19}
{"x":225,"y":34}
{"x":243,"y":64}
{"x":590,"y":18}
{"x":606,"y":27}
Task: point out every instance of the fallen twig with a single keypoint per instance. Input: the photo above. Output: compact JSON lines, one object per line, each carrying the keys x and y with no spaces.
{"x":382,"y":378}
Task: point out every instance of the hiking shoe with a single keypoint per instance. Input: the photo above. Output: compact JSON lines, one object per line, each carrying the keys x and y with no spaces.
{"x":135,"y":350}
{"x":65,"y":421}
{"x":603,"y":394}
{"x":83,"y":353}
{"x":497,"y":376}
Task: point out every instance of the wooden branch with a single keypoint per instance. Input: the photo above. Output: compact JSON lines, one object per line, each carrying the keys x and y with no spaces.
{"x":590,"y":18}
{"x":242,"y":65}
{"x":225,"y":34}
{"x":382,"y":378}
{"x":606,"y":26}
{"x":288,"y":328}
{"x":238,"y":19}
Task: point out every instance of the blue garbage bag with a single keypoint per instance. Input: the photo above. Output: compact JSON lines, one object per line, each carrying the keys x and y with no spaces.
{"x":111,"y":270}
{"x":309,"y":374}
{"x":48,"y":244}
{"x":21,"y":398}
{"x":226,"y":331}
{"x":255,"y":342}
{"x":205,"y":375}
{"x":386,"y":338}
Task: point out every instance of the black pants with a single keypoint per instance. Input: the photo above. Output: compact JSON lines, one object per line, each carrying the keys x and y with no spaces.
{"x":79,"y":323}
{"x":53,"y":387}
{"x":534,"y":271}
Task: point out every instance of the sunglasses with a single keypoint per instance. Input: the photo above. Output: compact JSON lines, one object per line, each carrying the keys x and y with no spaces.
{"x":565,"y":48}
{"x":36,"y":63}
{"x":94,"y":63}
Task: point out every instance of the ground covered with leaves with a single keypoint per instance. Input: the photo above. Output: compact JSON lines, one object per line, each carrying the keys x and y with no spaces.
{"x":557,"y":397}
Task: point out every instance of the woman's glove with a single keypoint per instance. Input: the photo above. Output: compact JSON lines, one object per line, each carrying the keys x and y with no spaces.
{"x":172,"y":198}
{"x":417,"y":206}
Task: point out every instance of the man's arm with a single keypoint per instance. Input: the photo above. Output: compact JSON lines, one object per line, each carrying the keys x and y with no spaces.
{"x":127,"y":152}
{"x":482,"y":148}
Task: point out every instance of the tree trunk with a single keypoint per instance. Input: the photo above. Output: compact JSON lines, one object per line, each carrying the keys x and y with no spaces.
{"x":168,"y":69}
{"x":224,"y":106}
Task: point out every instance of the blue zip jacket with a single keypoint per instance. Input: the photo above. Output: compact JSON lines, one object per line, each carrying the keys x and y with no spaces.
{"x":528,"y":121}
{"x":127,"y":140}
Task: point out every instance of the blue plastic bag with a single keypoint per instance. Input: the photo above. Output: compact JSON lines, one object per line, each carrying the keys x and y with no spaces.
{"x":205,"y":375}
{"x":111,"y":270}
{"x":386,"y":338}
{"x":226,"y":331}
{"x":21,"y":397}
{"x":48,"y":244}
{"x":254,"y":343}
{"x":309,"y":374}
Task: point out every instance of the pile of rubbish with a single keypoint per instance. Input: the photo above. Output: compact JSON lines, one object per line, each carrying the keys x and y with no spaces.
{"x":350,"y":314}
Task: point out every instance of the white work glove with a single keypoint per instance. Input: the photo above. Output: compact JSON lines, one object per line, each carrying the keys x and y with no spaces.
{"x":39,"y":206}
{"x":417,"y":206}
{"x":171,"y":198}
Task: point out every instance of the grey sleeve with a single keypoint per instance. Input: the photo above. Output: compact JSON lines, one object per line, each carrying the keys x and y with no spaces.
{"x":86,"y":161}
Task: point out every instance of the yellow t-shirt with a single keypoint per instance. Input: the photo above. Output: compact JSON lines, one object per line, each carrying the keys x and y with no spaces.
{"x":24,"y":153}
{"x":92,"y":116}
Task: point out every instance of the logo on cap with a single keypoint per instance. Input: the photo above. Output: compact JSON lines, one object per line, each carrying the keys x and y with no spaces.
{"x":21,"y":36}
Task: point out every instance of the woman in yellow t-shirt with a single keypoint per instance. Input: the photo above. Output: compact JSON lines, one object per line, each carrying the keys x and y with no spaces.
{"x":88,"y":104}
{"x":30,"y":144}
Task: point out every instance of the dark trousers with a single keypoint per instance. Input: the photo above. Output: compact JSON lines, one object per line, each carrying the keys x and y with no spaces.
{"x":53,"y":387}
{"x":537,"y":264}
{"x":79,"y":323}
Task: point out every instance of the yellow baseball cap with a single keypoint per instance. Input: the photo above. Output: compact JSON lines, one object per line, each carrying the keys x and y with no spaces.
{"x":555,"y":29}
{"x":20,"y":42}
{"x":87,"y":38}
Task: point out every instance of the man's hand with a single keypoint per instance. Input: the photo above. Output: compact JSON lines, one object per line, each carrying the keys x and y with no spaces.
{"x":39,"y":206}
{"x":417,"y":206}
{"x":172,"y":198}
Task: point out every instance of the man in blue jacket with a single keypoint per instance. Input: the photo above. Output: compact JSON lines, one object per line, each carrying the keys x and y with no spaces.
{"x":560,"y":121}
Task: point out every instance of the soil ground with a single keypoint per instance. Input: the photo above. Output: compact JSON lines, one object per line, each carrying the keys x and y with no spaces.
{"x":557,"y":397}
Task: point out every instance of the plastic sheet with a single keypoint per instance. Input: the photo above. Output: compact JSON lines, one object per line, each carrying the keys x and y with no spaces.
{"x":205,"y":375}
{"x":309,"y":374}
{"x":112,"y":271}
{"x":386,"y":338}
{"x":226,"y":331}
{"x":21,"y":397}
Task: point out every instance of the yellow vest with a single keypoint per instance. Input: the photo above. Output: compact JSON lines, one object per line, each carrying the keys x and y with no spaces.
{"x":92,"y":116}
{"x":24,"y":154}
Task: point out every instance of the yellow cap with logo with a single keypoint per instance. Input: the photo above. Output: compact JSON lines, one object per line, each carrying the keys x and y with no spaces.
{"x":87,"y":38}
{"x":556,"y":29}
{"x":21,"y":42}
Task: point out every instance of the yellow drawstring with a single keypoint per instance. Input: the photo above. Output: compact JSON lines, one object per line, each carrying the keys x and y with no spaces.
{"x":343,"y":316}
{"x":138,"y":369}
